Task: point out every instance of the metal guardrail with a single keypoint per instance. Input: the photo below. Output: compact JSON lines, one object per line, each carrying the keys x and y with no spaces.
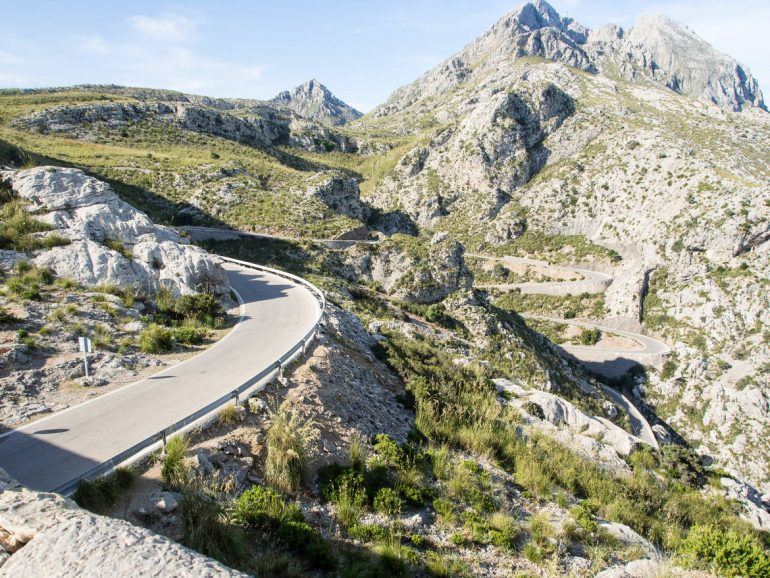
{"x":275,"y":368}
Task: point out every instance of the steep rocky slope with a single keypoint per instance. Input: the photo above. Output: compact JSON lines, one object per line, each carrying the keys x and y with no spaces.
{"x":564,"y":143}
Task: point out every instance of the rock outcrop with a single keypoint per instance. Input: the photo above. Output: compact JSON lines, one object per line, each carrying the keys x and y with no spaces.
{"x":50,"y":535}
{"x":408,"y":272}
{"x":83,"y":120}
{"x":112,"y":242}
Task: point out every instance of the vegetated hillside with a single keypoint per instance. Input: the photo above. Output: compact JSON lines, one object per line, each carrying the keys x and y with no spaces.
{"x":640,"y":153}
{"x":416,"y":439}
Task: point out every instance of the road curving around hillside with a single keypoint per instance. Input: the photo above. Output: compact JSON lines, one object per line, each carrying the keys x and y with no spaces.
{"x":276,"y":314}
{"x":579,"y":280}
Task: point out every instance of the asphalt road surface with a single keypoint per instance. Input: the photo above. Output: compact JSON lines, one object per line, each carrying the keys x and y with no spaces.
{"x":49,"y":452}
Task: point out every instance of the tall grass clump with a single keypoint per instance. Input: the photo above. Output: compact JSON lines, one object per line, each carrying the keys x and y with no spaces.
{"x":288,"y":440}
{"x":101,"y":494}
{"x":174,"y":472}
{"x":209,"y":530}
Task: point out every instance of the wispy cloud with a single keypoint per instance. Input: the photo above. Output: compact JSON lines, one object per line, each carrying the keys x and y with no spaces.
{"x":8,"y":58}
{"x":163,"y":51}
{"x":171,"y":28}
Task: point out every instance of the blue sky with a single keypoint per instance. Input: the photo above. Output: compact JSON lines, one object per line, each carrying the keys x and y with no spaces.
{"x":362,"y":50}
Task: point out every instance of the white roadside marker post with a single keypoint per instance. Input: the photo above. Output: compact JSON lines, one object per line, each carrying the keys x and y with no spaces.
{"x":85,"y":347}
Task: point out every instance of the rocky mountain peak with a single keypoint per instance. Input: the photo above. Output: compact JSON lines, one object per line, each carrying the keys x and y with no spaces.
{"x":656,"y":49}
{"x":539,"y":14}
{"x":677,"y":57}
{"x":316,"y":102}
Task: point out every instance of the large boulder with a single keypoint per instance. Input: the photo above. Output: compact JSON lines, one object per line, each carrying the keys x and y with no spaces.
{"x":111,"y":241}
{"x":52,"y":536}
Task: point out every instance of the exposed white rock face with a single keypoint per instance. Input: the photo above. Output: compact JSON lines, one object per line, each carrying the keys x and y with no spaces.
{"x":675,"y":56}
{"x":341,"y":194}
{"x":314,"y":101}
{"x":89,"y":212}
{"x":54,"y":537}
{"x":595,"y":437}
{"x":254,"y":129}
{"x":755,"y":507}
{"x":412,"y":277}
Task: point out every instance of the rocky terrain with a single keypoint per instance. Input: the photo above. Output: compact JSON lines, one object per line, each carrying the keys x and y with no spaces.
{"x":544,"y":181}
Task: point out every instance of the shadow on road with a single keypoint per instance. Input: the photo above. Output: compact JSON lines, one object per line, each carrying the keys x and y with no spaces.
{"x":39,"y":464}
{"x":265,"y":290}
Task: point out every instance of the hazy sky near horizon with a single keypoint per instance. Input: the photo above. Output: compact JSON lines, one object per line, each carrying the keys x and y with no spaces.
{"x":361,"y":49}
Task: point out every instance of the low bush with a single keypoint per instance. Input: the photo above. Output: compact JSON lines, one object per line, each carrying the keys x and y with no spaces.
{"x":263,"y":508}
{"x":155,"y":339}
{"x":387,"y":502}
{"x":201,"y":307}
{"x":729,"y":553}
{"x":189,"y":334}
{"x":590,"y":336}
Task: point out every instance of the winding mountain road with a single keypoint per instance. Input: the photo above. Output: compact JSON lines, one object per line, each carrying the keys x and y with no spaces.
{"x":588,"y":282}
{"x":649,"y":347}
{"x":275,"y":315}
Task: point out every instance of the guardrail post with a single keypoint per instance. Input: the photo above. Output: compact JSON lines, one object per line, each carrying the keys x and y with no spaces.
{"x":303,"y":347}
{"x":235,"y":396}
{"x":164,"y":439}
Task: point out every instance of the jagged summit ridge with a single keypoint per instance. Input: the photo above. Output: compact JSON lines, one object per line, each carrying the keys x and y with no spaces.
{"x":314,"y":101}
{"x":655,"y":49}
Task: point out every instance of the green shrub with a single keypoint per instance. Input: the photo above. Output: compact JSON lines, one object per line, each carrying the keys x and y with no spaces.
{"x":368,"y":532}
{"x":311,"y":545}
{"x":174,"y":472}
{"x":683,"y":464}
{"x":445,"y":510}
{"x":263,"y":507}
{"x":590,"y":336}
{"x":729,"y":553}
{"x":387,"y":502}
{"x":155,"y":339}
{"x":201,"y":307}
{"x":189,"y":334}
